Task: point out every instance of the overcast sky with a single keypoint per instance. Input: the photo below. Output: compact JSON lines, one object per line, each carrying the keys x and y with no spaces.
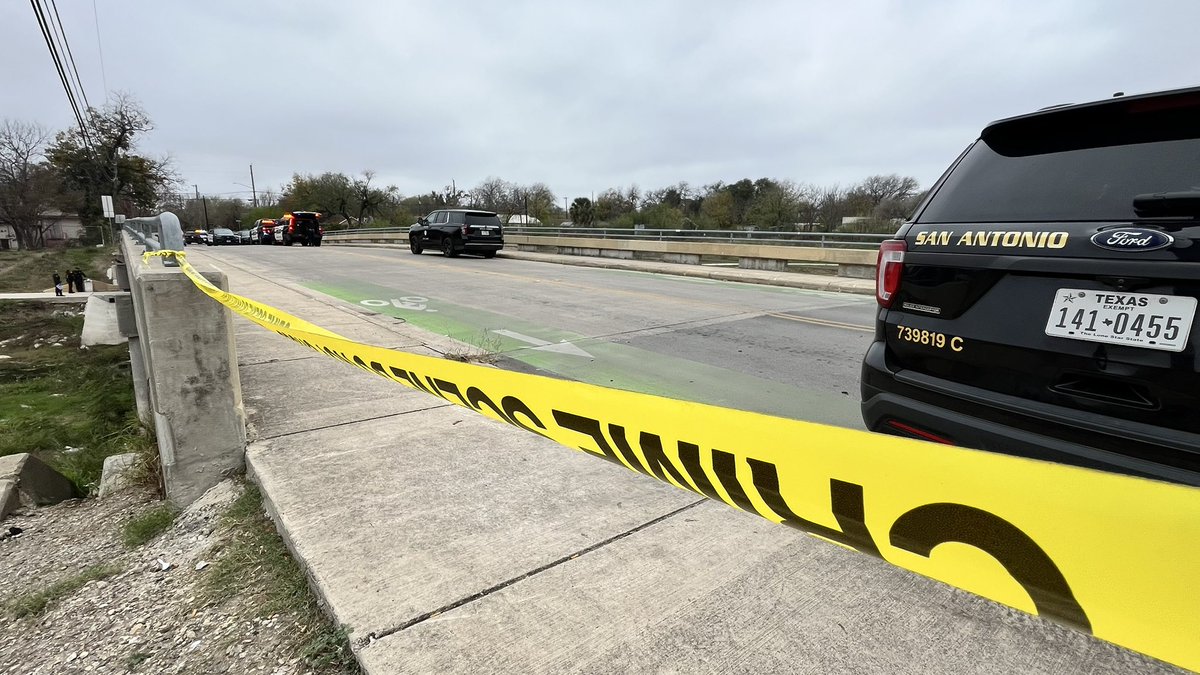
{"x":588,"y":96}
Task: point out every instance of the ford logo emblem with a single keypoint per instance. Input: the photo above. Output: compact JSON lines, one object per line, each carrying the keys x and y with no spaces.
{"x":1132,"y":239}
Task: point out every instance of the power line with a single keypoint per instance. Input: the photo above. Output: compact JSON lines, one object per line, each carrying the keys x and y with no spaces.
{"x":68,"y":64}
{"x":62,"y":75}
{"x":100,"y":48}
{"x":62,"y":32}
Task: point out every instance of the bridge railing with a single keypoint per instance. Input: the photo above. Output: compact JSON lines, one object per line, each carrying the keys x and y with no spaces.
{"x":845,"y":240}
{"x":157,"y":233}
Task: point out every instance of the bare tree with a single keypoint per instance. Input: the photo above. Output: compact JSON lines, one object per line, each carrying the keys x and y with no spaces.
{"x":876,"y":189}
{"x":492,"y":194}
{"x":808,"y":200}
{"x":268,"y":197}
{"x":831,"y":206}
{"x":29,"y":187}
{"x":370,"y":200}
{"x":534,"y":200}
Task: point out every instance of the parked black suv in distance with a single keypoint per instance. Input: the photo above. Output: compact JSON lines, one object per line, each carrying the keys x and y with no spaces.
{"x":224,"y":235}
{"x":299,"y":226}
{"x":1042,"y":300}
{"x":454,"y":231}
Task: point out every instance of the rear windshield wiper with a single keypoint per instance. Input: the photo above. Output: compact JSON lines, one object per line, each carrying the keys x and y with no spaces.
{"x":1166,"y":204}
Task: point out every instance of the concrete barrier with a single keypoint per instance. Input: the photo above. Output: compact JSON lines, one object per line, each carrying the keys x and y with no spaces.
{"x":185,"y":375}
{"x":855,"y":263}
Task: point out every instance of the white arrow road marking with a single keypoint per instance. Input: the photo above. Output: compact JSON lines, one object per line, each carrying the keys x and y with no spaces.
{"x":563,"y":347}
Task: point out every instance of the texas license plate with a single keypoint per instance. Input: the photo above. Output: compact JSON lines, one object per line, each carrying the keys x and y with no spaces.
{"x":1135,"y":319}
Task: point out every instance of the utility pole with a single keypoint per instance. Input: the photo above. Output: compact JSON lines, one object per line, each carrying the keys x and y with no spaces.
{"x":253,"y":191}
{"x":205,"y":202}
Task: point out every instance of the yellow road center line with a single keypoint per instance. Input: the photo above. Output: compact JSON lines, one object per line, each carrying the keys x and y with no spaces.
{"x":823,"y":322}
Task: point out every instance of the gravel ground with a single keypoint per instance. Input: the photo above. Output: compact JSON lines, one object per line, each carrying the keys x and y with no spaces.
{"x":150,"y":616}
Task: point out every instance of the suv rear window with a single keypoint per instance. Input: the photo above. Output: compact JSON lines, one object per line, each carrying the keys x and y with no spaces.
{"x":483,"y":219}
{"x":1067,"y":167}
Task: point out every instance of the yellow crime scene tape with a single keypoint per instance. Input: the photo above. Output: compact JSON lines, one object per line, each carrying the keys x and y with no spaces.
{"x":1114,"y":556}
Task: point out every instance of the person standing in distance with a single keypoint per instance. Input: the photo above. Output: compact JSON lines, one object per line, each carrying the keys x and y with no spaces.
{"x":57,"y":284}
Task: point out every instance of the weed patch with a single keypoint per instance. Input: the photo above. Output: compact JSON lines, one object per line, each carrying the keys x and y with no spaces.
{"x":328,"y":647}
{"x":143,"y":528}
{"x":256,"y":560}
{"x":482,"y":348}
{"x":35,"y":603}
{"x":70,"y":407}
{"x":134,"y":660}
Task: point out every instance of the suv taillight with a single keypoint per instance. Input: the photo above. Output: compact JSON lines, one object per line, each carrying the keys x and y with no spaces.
{"x":889,"y":268}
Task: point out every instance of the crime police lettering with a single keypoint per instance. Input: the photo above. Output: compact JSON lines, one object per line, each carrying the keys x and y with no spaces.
{"x":1123,"y":300}
{"x":917,"y":531}
{"x":846,"y":499}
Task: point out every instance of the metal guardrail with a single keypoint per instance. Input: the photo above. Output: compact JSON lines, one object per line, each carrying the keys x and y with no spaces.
{"x":158,"y":233}
{"x":815,"y":239}
{"x":369,"y":230}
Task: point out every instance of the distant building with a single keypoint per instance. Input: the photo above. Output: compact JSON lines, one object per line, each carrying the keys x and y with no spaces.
{"x":516,"y":219}
{"x":63,"y":227}
{"x":60,"y":228}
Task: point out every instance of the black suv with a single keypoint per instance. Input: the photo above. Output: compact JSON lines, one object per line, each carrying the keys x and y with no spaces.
{"x":222,"y":235}
{"x":195,"y":237}
{"x":454,"y":231}
{"x":299,"y":226}
{"x":1042,"y":299}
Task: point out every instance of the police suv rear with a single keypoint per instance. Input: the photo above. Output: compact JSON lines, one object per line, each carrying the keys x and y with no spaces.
{"x":1042,"y":300}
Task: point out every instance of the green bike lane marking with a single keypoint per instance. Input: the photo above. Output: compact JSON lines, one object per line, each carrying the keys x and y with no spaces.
{"x":605,"y":363}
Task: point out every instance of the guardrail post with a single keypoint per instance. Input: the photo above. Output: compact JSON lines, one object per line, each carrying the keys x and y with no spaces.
{"x":186,"y":343}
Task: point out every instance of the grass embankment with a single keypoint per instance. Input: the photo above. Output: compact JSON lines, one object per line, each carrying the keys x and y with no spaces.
{"x":33,"y":271}
{"x":257,"y":561}
{"x":71,"y":407}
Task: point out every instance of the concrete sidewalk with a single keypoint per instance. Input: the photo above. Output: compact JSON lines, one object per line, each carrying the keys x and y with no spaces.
{"x":49,"y":296}
{"x":451,"y":543}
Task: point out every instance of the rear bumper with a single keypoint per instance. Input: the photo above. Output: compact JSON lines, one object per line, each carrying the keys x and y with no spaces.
{"x":977,"y":418}
{"x":482,"y":246}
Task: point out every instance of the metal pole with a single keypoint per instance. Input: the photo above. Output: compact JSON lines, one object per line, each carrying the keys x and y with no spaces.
{"x":253,"y":192}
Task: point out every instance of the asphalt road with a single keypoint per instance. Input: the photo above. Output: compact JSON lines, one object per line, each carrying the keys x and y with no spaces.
{"x":780,"y":351}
